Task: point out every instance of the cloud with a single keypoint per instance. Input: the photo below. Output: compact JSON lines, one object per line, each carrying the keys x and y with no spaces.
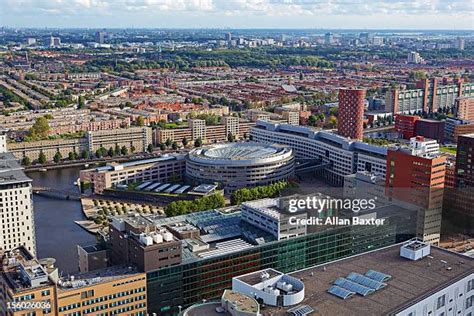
{"x":242,"y":7}
{"x":377,"y":13}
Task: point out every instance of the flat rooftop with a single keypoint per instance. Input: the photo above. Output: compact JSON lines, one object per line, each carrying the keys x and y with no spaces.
{"x":97,"y":277}
{"x":410,"y":280}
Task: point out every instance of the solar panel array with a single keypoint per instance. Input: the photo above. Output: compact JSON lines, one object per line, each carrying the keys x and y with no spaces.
{"x":366,"y":281}
{"x":301,"y":310}
{"x":353,"y":287}
{"x":378,"y":276}
{"x":340,"y":292}
{"x":356,"y":283}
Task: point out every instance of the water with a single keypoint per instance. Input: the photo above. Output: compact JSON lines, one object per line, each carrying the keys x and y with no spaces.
{"x":56,"y":233}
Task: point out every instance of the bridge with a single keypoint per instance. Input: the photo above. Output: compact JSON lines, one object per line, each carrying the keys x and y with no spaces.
{"x":306,"y":165}
{"x":56,"y":193}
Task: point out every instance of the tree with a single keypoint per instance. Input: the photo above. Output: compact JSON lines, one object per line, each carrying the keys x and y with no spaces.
{"x":132,"y":149}
{"x":230,"y":137}
{"x":168,"y":142}
{"x":111,"y":152}
{"x":85,"y":154}
{"x":42,"y":158}
{"x":185,"y":141}
{"x":124,"y":151}
{"x":174,"y":145}
{"x":98,"y":153}
{"x":162,"y":146}
{"x":332,"y":122}
{"x":26,"y":161}
{"x":140,"y":121}
{"x":57,"y":157}
{"x":117,"y":150}
{"x":198,"y":142}
{"x":312,"y":120}
{"x":150,"y":148}
{"x":40,"y":128}
{"x":245,"y":136}
{"x":71,"y":156}
{"x":81,"y":102}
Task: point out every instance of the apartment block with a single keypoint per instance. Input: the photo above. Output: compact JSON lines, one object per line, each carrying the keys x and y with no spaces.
{"x":428,"y":95}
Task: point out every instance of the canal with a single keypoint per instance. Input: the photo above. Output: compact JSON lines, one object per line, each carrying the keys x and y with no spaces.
{"x":56,"y":233}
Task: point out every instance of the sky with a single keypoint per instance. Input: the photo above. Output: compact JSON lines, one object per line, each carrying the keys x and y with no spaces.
{"x":330,"y":14}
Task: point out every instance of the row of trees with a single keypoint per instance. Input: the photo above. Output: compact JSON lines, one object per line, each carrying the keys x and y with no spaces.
{"x":266,"y":191}
{"x":202,"y":204}
{"x":101,"y":152}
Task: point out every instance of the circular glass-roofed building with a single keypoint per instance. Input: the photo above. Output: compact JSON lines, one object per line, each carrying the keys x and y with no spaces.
{"x":239,"y":165}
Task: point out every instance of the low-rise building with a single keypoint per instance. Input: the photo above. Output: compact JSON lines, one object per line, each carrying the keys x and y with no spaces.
{"x":162,"y":169}
{"x":34,"y":287}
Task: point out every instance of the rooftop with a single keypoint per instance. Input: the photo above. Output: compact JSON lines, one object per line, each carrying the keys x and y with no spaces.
{"x":10,"y":170}
{"x":409,"y":280}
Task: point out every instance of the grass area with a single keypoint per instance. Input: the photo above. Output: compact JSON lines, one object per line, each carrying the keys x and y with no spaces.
{"x":448,"y":150}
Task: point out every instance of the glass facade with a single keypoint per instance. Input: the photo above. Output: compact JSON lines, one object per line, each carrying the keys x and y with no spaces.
{"x":190,"y":283}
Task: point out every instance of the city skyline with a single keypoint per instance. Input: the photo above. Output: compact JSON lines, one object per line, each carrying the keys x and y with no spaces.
{"x":291,"y":14}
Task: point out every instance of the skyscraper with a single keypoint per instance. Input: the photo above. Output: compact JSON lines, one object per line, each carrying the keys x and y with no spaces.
{"x":16,"y":204}
{"x":351,"y":113}
{"x":100,"y":37}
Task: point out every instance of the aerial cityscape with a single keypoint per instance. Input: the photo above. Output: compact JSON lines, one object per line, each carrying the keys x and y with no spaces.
{"x":236,"y":158}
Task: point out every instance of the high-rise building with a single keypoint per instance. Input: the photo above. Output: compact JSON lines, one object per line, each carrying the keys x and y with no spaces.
{"x":328,"y":38}
{"x":16,"y":207}
{"x":459,"y":43}
{"x":416,"y":176}
{"x":228,"y":36}
{"x":351,"y":113}
{"x":100,"y":37}
{"x":414,"y":58}
{"x":54,"y":41}
{"x":460,"y":200}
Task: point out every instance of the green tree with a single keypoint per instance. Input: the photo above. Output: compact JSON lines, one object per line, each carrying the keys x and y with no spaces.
{"x":150,"y":148}
{"x":230,"y":137}
{"x":332,"y":122}
{"x":174,"y":145}
{"x":140,"y":121}
{"x":198,"y":142}
{"x":117,"y":150}
{"x":111,"y":152}
{"x":40,"y":128}
{"x":57,"y":157}
{"x":185,"y":141}
{"x":124,"y":151}
{"x":162,"y":147}
{"x":98,"y":153}
{"x":85,"y":154}
{"x":312,"y":120}
{"x":42,"y":158}
{"x":26,"y":161}
{"x":132,"y":149}
{"x":71,"y":156}
{"x":168,"y":142}
{"x":81,"y":102}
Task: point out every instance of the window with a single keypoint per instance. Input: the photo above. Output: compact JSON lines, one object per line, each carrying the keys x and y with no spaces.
{"x":470,"y":285}
{"x":441,"y":301}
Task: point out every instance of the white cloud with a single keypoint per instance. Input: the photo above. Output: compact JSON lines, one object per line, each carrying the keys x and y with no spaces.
{"x":217,"y":12}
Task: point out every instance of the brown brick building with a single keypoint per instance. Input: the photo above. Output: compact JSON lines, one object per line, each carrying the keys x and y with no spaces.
{"x":351,"y":113}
